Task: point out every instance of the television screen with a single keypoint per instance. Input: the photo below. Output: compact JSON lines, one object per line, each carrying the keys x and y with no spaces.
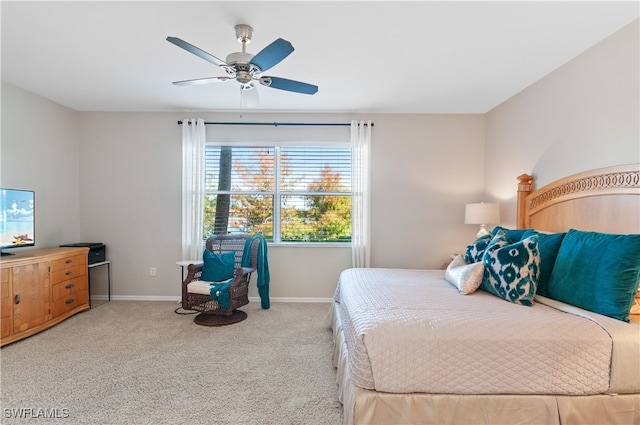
{"x":17,"y":222}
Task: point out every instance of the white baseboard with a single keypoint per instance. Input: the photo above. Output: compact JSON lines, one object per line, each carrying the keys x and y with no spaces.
{"x":177,"y":299}
{"x":134,"y":298}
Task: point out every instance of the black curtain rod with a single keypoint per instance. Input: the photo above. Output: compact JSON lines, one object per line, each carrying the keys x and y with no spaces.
{"x":283,"y":124}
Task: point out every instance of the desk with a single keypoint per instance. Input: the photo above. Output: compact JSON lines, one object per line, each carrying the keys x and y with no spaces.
{"x":101,"y":263}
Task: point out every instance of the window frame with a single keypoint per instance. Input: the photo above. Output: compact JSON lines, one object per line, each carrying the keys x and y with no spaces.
{"x":277,"y":192}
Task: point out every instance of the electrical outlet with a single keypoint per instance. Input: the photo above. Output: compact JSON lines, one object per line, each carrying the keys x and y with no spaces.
{"x":152,"y":271}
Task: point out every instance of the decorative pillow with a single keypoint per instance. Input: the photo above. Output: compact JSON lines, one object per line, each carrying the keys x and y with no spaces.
{"x":548,"y":245}
{"x":512,"y":269}
{"x":218,"y":267}
{"x":598,"y":272}
{"x":466,"y":277}
{"x":474,"y":251}
{"x":514,"y":235}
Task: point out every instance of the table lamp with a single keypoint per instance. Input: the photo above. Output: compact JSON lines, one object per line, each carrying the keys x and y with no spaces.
{"x":482,"y":214}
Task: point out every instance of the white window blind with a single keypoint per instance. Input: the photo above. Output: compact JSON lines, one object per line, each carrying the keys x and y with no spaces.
{"x":289,"y":194}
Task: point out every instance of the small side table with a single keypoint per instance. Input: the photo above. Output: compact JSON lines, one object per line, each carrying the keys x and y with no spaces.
{"x":185,"y":263}
{"x":102,"y":263}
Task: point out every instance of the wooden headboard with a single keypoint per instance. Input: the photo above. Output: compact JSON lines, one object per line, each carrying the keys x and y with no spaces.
{"x":601,"y":200}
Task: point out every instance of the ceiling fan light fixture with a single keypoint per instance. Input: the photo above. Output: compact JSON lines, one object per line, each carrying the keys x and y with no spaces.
{"x":243,"y":77}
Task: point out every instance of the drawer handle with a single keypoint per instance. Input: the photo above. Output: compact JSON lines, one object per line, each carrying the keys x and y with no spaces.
{"x":69,"y":273}
{"x":69,"y":286}
{"x":69,"y":301}
{"x":69,"y":261}
{"x":17,"y":298}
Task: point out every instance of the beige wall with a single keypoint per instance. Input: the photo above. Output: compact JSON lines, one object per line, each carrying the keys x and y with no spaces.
{"x":424,"y":169}
{"x":40,"y":151}
{"x":582,"y":116}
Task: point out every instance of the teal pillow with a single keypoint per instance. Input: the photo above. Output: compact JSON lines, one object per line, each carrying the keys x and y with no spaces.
{"x":514,"y":235}
{"x":511,"y":270}
{"x":218,"y":267}
{"x":473,"y":252}
{"x":548,"y":245}
{"x":598,"y":272}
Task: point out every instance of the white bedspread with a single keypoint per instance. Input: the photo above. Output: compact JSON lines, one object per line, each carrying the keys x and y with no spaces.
{"x":411,"y":331}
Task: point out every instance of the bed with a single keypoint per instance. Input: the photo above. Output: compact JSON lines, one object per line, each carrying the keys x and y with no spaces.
{"x":419,"y":347}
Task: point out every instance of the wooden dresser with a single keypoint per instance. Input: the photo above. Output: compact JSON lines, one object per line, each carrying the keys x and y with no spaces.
{"x":40,"y":288}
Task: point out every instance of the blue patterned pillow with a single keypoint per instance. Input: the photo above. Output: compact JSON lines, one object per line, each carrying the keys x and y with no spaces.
{"x":511,"y":270}
{"x":474,"y":251}
{"x":218,"y":267}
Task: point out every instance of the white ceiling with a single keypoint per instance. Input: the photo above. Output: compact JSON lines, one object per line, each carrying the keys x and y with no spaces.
{"x":365,"y":56}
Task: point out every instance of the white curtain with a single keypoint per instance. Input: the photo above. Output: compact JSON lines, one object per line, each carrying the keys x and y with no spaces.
{"x":360,"y":200}
{"x":193,"y":141}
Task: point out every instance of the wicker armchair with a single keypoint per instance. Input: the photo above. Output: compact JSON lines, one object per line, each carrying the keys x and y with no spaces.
{"x":195,"y":297}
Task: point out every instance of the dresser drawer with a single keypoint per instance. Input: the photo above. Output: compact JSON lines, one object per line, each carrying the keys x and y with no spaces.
{"x":68,"y":287}
{"x":72,"y":261}
{"x":68,"y":273}
{"x":68,"y":302}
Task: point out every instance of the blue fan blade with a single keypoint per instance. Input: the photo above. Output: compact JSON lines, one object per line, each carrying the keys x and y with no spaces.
{"x":272,"y":54}
{"x":196,"y":51}
{"x":289,"y":85}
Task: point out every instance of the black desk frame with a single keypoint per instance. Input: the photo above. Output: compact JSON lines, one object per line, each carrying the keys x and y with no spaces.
{"x":101,"y":263}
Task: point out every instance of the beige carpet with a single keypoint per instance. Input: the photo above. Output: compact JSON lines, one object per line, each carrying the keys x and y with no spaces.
{"x":129,"y":362}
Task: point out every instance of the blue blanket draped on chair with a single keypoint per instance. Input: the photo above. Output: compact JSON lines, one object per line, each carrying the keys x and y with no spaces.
{"x":220,"y":293}
{"x":262,"y":267}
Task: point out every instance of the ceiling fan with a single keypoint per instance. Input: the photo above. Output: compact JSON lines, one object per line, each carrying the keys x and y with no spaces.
{"x":247,"y":68}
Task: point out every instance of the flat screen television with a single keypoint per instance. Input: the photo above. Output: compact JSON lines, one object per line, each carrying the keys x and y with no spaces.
{"x":17,"y":219}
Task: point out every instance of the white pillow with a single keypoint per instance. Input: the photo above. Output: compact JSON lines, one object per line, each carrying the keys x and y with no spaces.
{"x":466,"y":277}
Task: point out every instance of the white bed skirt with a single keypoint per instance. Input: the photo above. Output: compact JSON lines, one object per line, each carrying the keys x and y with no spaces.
{"x":362,"y":406}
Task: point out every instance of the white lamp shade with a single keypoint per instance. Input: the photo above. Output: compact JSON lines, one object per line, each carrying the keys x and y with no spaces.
{"x":482,"y":213}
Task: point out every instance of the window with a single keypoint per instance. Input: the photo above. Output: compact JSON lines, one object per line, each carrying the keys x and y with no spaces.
{"x":288,"y":193}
